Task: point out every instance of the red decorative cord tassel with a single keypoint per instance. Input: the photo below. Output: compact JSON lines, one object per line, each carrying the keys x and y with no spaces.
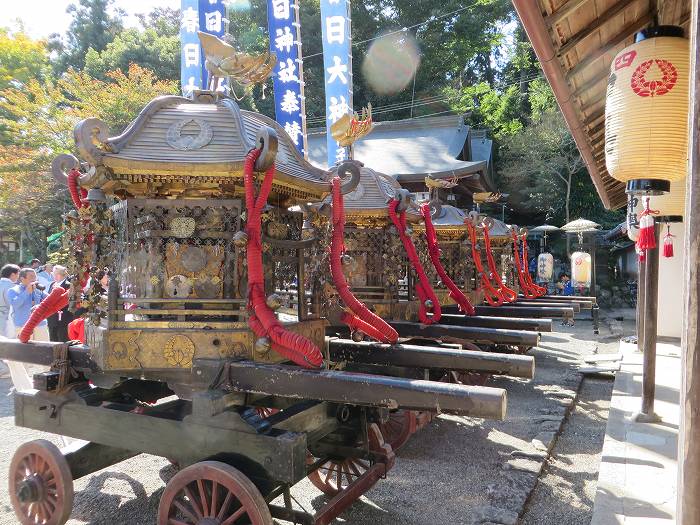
{"x":492,"y":295}
{"x":647,"y":237}
{"x":528,"y":291}
{"x":434,"y":251}
{"x":508,"y":294}
{"x":362,"y":318}
{"x":668,"y":242}
{"x":262,"y":319}
{"x":423,"y":288}
{"x":57,"y":300}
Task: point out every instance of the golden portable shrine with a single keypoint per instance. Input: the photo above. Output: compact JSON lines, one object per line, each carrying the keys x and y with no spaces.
{"x":210,"y":346}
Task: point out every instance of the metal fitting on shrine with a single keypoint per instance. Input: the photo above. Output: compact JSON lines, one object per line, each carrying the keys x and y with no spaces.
{"x":262,"y":345}
{"x":240,"y":239}
{"x":428,"y":304}
{"x":347,"y":260}
{"x":274,"y":301}
{"x":357,"y":336}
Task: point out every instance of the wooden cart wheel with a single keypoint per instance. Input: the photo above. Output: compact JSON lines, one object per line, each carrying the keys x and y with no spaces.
{"x":468,"y":378}
{"x":334,"y":476}
{"x":212,"y":493}
{"x":398,"y":428}
{"x":265,"y":412}
{"x":40,"y":484}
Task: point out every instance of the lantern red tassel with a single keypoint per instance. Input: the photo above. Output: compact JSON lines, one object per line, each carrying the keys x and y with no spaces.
{"x":647,"y":237}
{"x":668,"y":243}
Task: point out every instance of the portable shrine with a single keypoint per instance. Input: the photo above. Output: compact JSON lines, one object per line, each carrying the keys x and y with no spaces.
{"x":213,"y":329}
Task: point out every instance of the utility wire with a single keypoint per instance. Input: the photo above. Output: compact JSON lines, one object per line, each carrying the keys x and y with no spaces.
{"x":400,"y":106}
{"x":403,"y":29}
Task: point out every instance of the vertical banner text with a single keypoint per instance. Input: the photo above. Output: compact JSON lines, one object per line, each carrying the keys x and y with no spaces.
{"x":337,"y":67}
{"x":285,"y":42}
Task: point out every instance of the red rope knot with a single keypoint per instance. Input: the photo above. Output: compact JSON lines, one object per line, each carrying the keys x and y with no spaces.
{"x":491,"y":294}
{"x":456,"y":294}
{"x":360,"y":317}
{"x":262,"y":320}
{"x":429,"y":311}
{"x":509,"y":295}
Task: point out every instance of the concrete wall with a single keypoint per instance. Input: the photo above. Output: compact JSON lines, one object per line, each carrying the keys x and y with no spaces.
{"x":670,"y":317}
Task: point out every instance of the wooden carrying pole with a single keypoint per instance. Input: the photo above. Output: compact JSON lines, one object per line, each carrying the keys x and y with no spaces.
{"x":688,"y":505}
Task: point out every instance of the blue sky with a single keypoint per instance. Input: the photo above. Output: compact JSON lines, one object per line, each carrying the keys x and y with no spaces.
{"x":43,"y":17}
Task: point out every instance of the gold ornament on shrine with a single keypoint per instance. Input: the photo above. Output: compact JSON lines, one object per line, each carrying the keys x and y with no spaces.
{"x":646,"y":111}
{"x":348,"y":129}
{"x":223,"y":61}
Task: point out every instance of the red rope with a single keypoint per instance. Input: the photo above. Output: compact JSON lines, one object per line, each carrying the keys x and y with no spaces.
{"x":423,"y":289}
{"x":262,"y":319}
{"x":528,"y":291}
{"x":75,"y":191}
{"x":434,"y":251}
{"x":57,"y":300}
{"x":363,"y":319}
{"x":491,"y":294}
{"x":539,"y":290}
{"x":508,"y":294}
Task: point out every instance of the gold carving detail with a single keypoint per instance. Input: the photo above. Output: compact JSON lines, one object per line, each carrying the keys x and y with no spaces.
{"x":179,"y":351}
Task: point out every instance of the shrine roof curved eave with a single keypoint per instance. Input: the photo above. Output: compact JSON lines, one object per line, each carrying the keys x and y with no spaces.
{"x":223,"y":170}
{"x":143,"y":149}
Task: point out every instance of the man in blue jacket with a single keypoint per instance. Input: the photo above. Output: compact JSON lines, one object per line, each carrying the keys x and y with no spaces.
{"x":24,"y":298}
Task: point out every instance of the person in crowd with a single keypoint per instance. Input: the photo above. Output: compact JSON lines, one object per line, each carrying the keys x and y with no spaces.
{"x":34,"y":264}
{"x":44,"y":275}
{"x":564,"y":286}
{"x":24,"y":298}
{"x":58,"y":322}
{"x":8,"y":278}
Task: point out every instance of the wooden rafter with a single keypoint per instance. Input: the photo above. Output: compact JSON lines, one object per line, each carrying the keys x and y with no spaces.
{"x":594,"y":26}
{"x":594,"y":105}
{"x":623,"y":35}
{"x":590,"y":83}
{"x":597,"y":128}
{"x":564,"y":11}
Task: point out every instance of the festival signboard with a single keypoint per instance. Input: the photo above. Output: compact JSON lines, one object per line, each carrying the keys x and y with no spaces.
{"x":288,"y":79}
{"x":208,"y":16}
{"x":337,"y":66}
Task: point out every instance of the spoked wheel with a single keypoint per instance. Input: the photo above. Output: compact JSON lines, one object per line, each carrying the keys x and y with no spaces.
{"x":265,"y":412}
{"x":40,"y":484}
{"x":468,"y":378}
{"x":398,"y":428}
{"x":334,"y":476}
{"x":212,"y":493}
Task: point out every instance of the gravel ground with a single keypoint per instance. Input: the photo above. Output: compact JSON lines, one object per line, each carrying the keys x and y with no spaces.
{"x":571,"y":476}
{"x":450,"y":472}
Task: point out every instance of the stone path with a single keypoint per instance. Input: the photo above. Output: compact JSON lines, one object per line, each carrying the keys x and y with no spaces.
{"x":637,"y":481}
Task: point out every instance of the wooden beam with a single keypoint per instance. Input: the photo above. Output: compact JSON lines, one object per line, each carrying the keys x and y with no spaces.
{"x":688,"y":503}
{"x":670,"y":12}
{"x":594,"y":26}
{"x":596,"y":128}
{"x":590,"y":83}
{"x":598,"y":101}
{"x":610,"y":46}
{"x":594,"y":119}
{"x":564,"y":11}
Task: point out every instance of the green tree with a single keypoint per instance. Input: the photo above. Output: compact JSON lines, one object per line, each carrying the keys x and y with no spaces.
{"x":41,"y":116}
{"x":154,"y":46}
{"x":93,"y":27}
{"x":21,"y":58}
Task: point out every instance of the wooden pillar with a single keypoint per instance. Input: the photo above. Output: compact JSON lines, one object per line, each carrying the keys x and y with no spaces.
{"x":688,"y":505}
{"x":641,"y":288}
{"x":649,"y":315}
